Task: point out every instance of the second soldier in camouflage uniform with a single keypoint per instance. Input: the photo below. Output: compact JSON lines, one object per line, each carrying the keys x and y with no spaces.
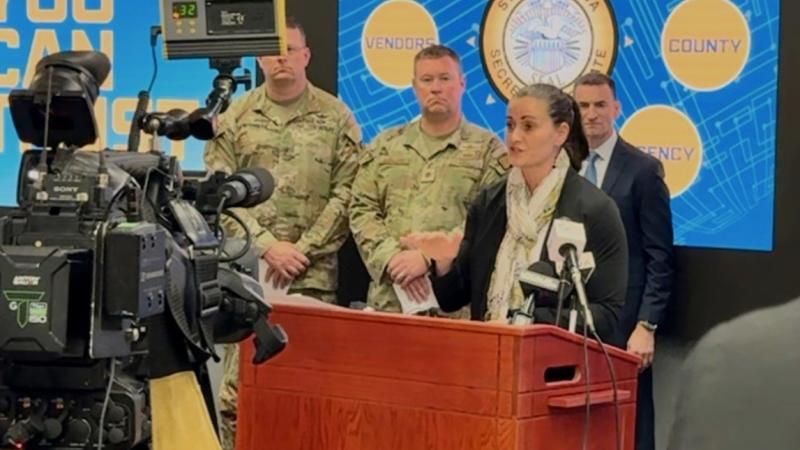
{"x":309,"y":141}
{"x":420,"y":177}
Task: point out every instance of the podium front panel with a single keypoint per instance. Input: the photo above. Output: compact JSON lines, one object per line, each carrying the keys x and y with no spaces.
{"x":351,"y":380}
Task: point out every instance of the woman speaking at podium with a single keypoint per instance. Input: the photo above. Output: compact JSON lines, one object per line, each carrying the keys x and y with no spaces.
{"x":509,"y":223}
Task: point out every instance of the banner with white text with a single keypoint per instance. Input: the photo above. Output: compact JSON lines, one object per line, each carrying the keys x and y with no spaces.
{"x":31,"y":29}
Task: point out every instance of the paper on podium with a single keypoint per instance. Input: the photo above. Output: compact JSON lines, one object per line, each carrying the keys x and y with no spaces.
{"x":276,"y":296}
{"x":301,"y":300}
{"x":409,"y":305}
{"x":270,"y":290}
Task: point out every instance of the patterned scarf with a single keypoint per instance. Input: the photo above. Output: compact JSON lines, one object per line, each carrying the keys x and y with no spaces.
{"x":527,"y":215}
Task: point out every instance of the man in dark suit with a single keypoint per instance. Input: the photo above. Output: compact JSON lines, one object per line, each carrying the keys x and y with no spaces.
{"x":635,"y":180}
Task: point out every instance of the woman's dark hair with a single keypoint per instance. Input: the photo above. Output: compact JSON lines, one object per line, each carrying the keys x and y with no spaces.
{"x":562,"y":108}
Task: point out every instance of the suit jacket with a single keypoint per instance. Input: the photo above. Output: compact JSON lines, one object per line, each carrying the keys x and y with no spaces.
{"x":580,"y":201}
{"x":635,"y":181}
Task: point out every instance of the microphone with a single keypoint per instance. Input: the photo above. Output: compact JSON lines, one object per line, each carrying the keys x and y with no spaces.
{"x":539,"y":277}
{"x":173,"y":124}
{"x":136,"y":126}
{"x":567,"y":240}
{"x":565,"y":232}
{"x":247,"y":187}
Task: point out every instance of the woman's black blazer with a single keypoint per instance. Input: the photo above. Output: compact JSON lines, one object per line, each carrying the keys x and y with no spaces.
{"x":580,"y":201}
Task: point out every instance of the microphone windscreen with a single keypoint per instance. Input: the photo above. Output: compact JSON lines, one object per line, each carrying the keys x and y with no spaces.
{"x":266,"y":184}
{"x":539,"y":278}
{"x":565,"y":232}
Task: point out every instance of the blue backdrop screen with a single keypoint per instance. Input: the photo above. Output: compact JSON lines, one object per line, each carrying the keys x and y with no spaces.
{"x":702,"y":99}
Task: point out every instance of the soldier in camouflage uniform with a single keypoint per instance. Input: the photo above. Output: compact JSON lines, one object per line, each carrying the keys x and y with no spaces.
{"x":420,"y":177}
{"x":309,"y":141}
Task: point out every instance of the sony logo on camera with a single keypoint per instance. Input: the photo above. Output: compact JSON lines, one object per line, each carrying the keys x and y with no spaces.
{"x":66,"y":189}
{"x":26,"y":280}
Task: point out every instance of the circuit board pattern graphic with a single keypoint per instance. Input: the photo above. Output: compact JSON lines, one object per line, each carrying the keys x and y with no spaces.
{"x":730,"y":204}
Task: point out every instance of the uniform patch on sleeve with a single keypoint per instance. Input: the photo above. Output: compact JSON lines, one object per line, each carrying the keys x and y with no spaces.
{"x":503,"y":161}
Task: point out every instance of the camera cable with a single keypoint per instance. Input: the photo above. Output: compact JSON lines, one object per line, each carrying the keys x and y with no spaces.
{"x":106,"y":399}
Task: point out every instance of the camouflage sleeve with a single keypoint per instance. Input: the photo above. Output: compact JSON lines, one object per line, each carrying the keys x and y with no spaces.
{"x":375,"y":244}
{"x":329,"y":231}
{"x":497,"y":164}
{"x":220,"y":156}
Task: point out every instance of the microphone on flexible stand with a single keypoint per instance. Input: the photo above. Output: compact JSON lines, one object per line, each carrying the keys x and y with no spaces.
{"x":567,"y":241}
{"x":540,"y":277}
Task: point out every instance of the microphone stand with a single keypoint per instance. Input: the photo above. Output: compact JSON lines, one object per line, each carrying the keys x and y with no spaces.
{"x":524,"y":316}
{"x":564,"y":289}
{"x":571,"y":264}
{"x":573,"y":313}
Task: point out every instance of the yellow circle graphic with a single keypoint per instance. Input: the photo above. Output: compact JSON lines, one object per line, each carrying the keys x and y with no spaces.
{"x":670,"y":136}
{"x":546,"y":41}
{"x":705,"y":43}
{"x":394,"y":32}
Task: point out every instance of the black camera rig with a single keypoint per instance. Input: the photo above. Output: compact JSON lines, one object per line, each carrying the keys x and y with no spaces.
{"x":111,"y":273}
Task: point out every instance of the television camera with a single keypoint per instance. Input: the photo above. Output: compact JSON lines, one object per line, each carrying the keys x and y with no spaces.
{"x":113,"y":268}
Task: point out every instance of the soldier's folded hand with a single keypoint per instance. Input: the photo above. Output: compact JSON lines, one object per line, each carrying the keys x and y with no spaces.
{"x":276,"y":279}
{"x":284,"y":258}
{"x":418,"y":289}
{"x":407,"y":265}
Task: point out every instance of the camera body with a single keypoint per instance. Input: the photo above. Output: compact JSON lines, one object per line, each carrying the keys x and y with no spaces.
{"x":110,"y":276}
{"x":112,"y":267}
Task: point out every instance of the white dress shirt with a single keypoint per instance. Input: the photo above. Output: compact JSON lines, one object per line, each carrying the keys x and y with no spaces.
{"x":604,"y":152}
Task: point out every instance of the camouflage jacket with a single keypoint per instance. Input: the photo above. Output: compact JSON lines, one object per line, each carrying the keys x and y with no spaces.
{"x":399,"y":189}
{"x":313,"y":157}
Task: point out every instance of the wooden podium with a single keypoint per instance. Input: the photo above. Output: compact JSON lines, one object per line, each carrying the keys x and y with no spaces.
{"x":355,"y":380}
